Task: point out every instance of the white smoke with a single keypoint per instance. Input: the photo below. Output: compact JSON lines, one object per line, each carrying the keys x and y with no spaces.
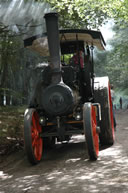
{"x":26,"y":18}
{"x":41,"y":65}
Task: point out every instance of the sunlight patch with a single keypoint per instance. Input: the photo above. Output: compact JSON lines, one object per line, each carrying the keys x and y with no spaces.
{"x":45,"y":187}
{"x":77,"y":139}
{"x":112,"y":151}
{"x":73,"y":160}
{"x":4,"y":176}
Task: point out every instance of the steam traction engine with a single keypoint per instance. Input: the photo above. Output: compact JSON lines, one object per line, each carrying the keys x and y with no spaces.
{"x":69,"y":99}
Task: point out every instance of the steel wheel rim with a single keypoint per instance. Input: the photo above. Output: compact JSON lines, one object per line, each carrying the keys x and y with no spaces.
{"x":111,"y":112}
{"x":90,"y":128}
{"x":35,"y":136}
{"x":94,"y":132}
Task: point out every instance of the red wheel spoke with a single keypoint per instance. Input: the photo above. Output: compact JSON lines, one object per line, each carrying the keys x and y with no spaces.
{"x":32,"y":138}
{"x":94,"y":133}
{"x":34,"y":142}
{"x":33,"y":135}
{"x":37,"y":141}
{"x":38,"y":149}
{"x":90,"y":126}
{"x":34,"y":122}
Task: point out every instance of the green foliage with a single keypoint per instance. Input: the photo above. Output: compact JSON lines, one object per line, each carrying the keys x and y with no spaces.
{"x":72,"y":14}
{"x":79,"y":13}
{"x":11,"y":128}
{"x":13,"y":93}
{"x":89,"y":13}
{"x":8,"y":64}
{"x":114,"y":62}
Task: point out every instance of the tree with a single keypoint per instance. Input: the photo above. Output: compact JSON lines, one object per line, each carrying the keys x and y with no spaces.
{"x":12,"y":66}
{"x":72,"y":14}
{"x":79,"y":13}
{"x":89,"y":14}
{"x":114,"y":62}
{"x":8,"y":67}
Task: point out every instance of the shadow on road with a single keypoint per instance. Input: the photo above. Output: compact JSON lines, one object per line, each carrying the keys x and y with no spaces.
{"x":66,"y":168}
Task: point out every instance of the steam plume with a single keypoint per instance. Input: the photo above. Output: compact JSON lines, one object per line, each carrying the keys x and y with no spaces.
{"x":26,"y":18}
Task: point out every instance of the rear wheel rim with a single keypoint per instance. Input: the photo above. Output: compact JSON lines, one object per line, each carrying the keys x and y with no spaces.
{"x":111,"y":112}
{"x":35,"y":136}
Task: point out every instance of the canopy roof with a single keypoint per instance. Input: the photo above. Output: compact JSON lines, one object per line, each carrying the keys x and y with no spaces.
{"x":39,"y":43}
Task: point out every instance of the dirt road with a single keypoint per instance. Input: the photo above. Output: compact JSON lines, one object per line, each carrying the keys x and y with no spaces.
{"x":67,"y":169}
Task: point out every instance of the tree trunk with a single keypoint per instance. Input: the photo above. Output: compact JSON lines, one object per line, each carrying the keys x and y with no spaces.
{"x":1,"y":99}
{"x":8,"y":97}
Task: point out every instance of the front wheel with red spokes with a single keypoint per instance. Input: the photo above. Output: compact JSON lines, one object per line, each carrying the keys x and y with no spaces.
{"x":90,"y":129}
{"x":32,"y":139}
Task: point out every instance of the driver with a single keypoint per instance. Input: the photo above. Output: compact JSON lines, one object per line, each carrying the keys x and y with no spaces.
{"x":78,"y":57}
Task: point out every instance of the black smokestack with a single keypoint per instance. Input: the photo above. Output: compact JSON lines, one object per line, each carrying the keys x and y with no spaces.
{"x":54,"y":45}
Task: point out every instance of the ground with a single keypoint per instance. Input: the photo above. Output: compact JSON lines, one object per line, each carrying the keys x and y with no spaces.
{"x":66,"y":168}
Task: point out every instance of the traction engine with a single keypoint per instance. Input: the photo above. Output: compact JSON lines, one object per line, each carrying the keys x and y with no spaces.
{"x":69,"y":99}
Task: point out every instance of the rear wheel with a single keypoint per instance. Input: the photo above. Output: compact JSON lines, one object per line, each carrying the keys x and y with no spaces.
{"x":103,"y":96}
{"x":32,"y":139}
{"x":90,"y":126}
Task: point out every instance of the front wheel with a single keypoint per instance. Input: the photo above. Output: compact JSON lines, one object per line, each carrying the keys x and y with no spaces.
{"x":90,"y":129}
{"x":32,"y":139}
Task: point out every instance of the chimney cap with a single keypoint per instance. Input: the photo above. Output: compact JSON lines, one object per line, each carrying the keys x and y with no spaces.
{"x":51,"y":14}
